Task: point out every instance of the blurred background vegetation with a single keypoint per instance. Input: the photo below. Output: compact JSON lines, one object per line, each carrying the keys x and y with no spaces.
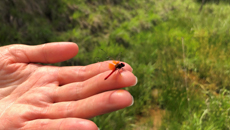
{"x":179,"y":51}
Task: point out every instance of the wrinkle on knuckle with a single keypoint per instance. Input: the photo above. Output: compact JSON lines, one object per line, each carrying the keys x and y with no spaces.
{"x":55,"y":94}
{"x":45,"y":110}
{"x":44,"y":53}
{"x":82,"y":72}
{"x":59,"y":75}
{"x":78,"y":90}
{"x":100,"y":65}
{"x":68,"y":109}
{"x":61,"y":125}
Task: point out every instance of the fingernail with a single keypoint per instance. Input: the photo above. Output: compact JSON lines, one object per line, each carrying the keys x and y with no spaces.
{"x":132,"y":102}
{"x":135,"y":82}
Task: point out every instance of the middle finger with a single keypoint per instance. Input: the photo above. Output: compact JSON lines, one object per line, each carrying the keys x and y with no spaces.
{"x":95,"y":85}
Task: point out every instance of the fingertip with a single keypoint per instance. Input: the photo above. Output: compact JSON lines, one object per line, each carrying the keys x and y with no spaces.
{"x":132,"y":102}
{"x":80,"y":124}
{"x":60,"y":51}
{"x":121,"y":78}
{"x":87,"y":125}
{"x":128,"y":78}
{"x":128,"y":67}
{"x":135,"y":83}
{"x":122,"y":98}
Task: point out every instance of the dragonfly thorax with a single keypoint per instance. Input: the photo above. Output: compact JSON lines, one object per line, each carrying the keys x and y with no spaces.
{"x":119,"y":66}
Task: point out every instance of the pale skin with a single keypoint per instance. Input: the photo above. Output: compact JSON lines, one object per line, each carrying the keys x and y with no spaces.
{"x":34,"y":96}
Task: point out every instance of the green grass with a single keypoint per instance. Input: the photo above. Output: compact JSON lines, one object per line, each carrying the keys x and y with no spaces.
{"x":147,"y":34}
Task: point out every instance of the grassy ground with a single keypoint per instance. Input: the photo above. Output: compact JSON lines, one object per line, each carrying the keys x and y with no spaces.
{"x":191,"y":84}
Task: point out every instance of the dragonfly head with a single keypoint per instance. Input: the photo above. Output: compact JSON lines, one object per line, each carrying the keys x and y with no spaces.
{"x":122,"y":65}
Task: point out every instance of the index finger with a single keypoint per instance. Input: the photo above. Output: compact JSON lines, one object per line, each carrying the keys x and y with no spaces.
{"x":82,"y":73}
{"x":45,"y":53}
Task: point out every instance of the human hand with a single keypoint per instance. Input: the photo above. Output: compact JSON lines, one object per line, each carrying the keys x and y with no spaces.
{"x":34,"y":96}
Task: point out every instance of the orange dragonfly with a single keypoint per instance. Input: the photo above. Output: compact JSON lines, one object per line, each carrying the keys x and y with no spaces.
{"x":115,"y":66}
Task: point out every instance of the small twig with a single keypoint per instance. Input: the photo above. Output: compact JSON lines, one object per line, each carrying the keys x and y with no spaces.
{"x":202,"y":4}
{"x":184,"y":62}
{"x":185,"y":71}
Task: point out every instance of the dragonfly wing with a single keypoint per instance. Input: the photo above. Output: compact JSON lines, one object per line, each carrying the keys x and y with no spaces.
{"x":115,"y":62}
{"x":111,"y":66}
